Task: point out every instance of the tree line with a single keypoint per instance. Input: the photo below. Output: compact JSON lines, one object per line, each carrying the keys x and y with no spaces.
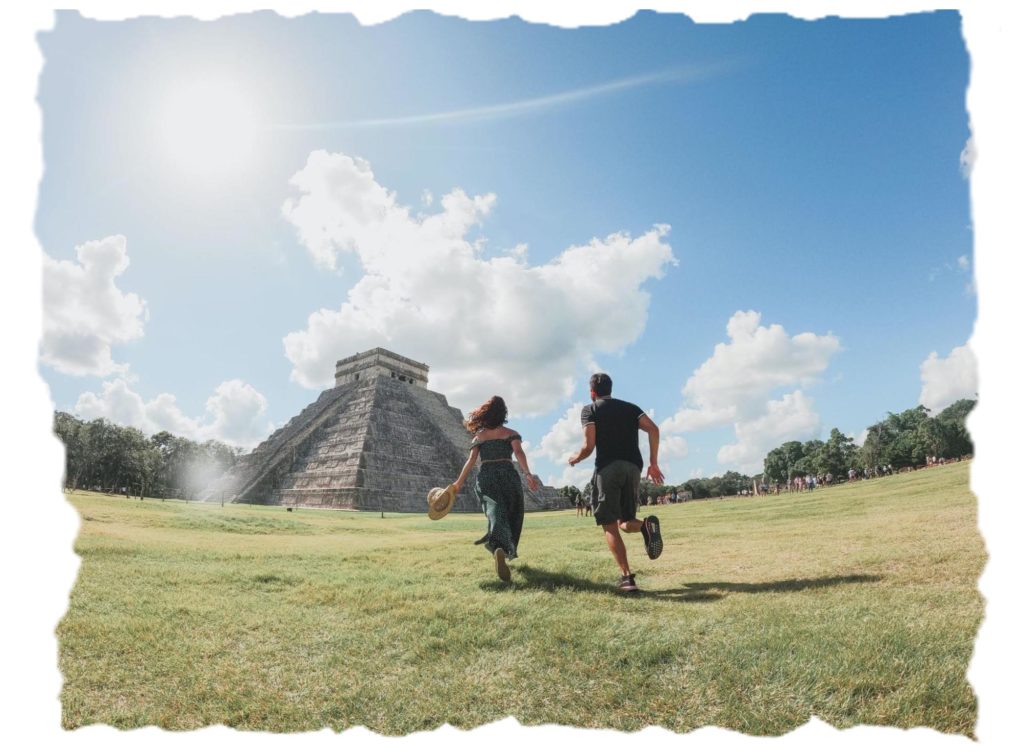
{"x":103,"y":456}
{"x":902,"y":440}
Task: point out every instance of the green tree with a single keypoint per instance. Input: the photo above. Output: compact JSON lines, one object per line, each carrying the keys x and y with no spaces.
{"x":179,"y":459}
{"x":812,"y":453}
{"x":837,"y":455}
{"x":646,"y":490}
{"x":69,"y":429}
{"x":876,"y":448}
{"x":953,"y":423}
{"x":732,"y":482}
{"x":587,"y":491}
{"x":697,"y":488}
{"x":571,"y":494}
{"x":100,"y":453}
{"x":780,"y":463}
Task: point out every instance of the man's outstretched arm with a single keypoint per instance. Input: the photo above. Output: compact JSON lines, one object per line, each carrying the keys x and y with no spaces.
{"x":589,"y":441}
{"x":653,"y":437}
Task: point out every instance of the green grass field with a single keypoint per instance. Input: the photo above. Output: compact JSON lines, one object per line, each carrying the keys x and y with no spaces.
{"x":857,"y":604}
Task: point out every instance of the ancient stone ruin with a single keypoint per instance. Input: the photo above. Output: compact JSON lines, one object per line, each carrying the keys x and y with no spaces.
{"x":377,"y":440}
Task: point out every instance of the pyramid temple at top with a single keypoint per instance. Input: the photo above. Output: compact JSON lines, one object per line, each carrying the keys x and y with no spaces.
{"x":377,"y":440}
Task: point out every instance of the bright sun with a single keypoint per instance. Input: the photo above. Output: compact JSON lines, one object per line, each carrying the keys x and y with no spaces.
{"x":208,"y":129}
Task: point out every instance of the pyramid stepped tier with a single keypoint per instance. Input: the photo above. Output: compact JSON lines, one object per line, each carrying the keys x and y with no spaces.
{"x":382,"y":453}
{"x":369,"y":444}
{"x":255,"y":475}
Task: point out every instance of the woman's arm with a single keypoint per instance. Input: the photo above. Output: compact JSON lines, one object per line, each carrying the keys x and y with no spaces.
{"x":531,"y":480}
{"x":474,"y":452}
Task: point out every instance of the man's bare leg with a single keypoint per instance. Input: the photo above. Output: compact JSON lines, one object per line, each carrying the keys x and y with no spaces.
{"x":617,"y":546}
{"x":631,"y":526}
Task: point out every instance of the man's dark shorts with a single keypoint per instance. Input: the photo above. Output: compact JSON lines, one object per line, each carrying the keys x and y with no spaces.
{"x":615,"y":492}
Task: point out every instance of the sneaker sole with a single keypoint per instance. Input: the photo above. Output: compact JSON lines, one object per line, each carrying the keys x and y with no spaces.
{"x":501,"y":566}
{"x":652,"y":539}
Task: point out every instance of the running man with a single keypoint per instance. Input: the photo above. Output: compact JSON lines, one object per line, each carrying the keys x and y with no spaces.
{"x":611,"y":426}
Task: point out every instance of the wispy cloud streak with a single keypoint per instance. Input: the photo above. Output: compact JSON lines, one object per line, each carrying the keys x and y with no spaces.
{"x":520,"y":107}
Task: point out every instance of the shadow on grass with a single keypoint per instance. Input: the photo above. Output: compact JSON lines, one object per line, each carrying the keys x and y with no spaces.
{"x":528,"y":577}
{"x":787,"y":585}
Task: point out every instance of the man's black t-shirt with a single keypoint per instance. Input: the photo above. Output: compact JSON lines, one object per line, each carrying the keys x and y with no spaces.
{"x":617,"y":423}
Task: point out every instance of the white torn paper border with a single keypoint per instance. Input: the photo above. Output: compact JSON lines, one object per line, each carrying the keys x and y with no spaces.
{"x":40,"y":527}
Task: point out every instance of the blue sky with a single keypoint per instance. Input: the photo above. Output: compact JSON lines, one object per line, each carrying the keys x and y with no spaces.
{"x":800,"y":180}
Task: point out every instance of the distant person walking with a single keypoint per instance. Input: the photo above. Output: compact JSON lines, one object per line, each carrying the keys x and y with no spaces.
{"x":610,"y":426}
{"x":498,"y":487}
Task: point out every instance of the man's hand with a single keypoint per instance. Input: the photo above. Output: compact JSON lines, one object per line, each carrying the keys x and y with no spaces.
{"x":654,"y":474}
{"x":532,"y":483}
{"x":573,"y":460}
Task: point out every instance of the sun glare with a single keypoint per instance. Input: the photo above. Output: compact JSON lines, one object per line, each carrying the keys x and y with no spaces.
{"x":208,"y":129}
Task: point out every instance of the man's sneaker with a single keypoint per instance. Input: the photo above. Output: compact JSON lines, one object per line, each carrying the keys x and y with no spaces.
{"x":651,"y":530}
{"x":627,"y":584}
{"x":501,"y":566}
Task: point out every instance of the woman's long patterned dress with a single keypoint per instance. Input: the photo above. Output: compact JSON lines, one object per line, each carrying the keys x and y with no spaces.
{"x":500,"y":492}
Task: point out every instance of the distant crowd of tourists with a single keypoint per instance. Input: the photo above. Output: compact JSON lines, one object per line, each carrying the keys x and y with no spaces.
{"x":675,"y":496}
{"x":870,"y":472}
{"x":809,"y":482}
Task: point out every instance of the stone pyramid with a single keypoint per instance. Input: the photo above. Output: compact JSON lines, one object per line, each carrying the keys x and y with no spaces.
{"x":377,"y":440}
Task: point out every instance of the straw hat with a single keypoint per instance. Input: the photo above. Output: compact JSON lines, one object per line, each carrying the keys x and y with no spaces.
{"x":440,"y":501}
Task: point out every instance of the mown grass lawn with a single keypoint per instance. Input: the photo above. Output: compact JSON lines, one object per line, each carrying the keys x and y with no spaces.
{"x":857,"y":604}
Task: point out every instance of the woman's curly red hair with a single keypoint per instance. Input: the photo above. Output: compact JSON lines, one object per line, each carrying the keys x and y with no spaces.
{"x":491,"y":415}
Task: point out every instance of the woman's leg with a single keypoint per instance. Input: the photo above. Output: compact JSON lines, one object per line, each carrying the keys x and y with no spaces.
{"x":499,"y":533}
{"x":516,"y":515}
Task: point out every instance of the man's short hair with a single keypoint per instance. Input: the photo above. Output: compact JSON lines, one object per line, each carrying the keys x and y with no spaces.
{"x":601,"y":384}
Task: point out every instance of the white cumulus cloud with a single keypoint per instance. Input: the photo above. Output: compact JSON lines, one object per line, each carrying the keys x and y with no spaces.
{"x":85,"y":313}
{"x":734,"y":383}
{"x":235,"y":413}
{"x":790,"y":418}
{"x":947,"y":380}
{"x":670,"y":447}
{"x":737,"y":385}
{"x":565,"y":437}
{"x":485,"y":324}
